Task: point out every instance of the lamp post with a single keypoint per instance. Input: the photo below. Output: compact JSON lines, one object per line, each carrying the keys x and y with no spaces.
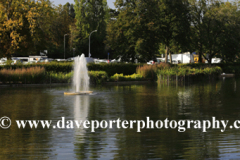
{"x":64,"y":44}
{"x":89,"y":54}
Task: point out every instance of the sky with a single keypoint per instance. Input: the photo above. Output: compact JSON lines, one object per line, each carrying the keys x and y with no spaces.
{"x":57,"y":2}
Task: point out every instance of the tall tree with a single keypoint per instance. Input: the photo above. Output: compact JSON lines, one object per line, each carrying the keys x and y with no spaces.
{"x":132,"y":34}
{"x":121,"y":30}
{"x":142,"y":25}
{"x":91,"y":15}
{"x":214,"y":26}
{"x":60,"y":26}
{"x":24,"y":26}
{"x":173,"y":24}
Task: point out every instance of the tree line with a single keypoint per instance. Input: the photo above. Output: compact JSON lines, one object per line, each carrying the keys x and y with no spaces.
{"x":141,"y":29}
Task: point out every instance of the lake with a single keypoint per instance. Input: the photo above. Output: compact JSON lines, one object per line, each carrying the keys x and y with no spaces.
{"x":198,"y":101}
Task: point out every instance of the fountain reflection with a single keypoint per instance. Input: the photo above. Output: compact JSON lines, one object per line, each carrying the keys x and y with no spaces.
{"x":81,"y":109}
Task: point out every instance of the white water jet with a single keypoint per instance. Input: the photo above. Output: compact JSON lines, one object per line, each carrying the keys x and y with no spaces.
{"x":80,"y":74}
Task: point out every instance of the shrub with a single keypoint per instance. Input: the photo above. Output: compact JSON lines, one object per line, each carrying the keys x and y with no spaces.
{"x":97,"y":77}
{"x":121,"y":77}
{"x":113,"y":68}
{"x":60,"y":77}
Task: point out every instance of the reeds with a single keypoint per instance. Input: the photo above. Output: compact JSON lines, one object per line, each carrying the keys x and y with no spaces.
{"x":22,"y":75}
{"x":150,"y":71}
{"x":183,"y":71}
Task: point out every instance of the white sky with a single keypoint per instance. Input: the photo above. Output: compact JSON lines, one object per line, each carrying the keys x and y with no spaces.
{"x":57,"y":2}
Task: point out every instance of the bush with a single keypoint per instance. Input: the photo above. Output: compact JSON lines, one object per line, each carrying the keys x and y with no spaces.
{"x":113,"y":68}
{"x":60,"y":77}
{"x":97,"y":77}
{"x":121,"y":77}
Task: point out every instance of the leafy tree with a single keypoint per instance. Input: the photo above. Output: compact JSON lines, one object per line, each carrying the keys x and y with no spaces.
{"x":142,"y":26}
{"x":121,"y":34}
{"x":63,"y":19}
{"x":173,"y":24}
{"x":24,"y":26}
{"x":132,"y":34}
{"x":90,"y":16}
{"x":228,"y":15}
{"x":214,"y":28}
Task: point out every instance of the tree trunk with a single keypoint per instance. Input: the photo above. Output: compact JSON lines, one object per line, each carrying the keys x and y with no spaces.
{"x":170,"y":57}
{"x":166,"y":54}
{"x":200,"y":54}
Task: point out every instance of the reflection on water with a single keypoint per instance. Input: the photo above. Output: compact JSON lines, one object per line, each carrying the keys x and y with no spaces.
{"x":199,"y":101}
{"x":81,"y":107}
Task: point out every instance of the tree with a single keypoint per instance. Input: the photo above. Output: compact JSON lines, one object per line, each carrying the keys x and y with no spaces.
{"x":90,"y":16}
{"x":121,"y":31}
{"x":61,"y":24}
{"x":173,"y":24}
{"x":227,"y":41}
{"x":214,"y":26}
{"x":132,"y":33}
{"x":24,"y":26}
{"x":142,"y":26}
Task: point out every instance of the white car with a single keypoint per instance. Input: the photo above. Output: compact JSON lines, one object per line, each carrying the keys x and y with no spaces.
{"x":151,"y":62}
{"x":101,"y":61}
{"x":3,"y":61}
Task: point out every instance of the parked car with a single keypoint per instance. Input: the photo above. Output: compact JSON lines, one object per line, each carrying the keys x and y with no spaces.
{"x":151,"y":62}
{"x":3,"y":61}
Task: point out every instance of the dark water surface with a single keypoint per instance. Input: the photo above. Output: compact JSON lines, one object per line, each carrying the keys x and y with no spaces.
{"x":200,"y":101}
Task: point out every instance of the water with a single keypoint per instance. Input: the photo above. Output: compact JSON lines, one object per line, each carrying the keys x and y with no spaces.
{"x":130,"y":102}
{"x":80,"y":75}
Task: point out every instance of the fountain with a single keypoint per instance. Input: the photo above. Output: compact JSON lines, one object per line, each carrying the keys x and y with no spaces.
{"x":80,"y":77}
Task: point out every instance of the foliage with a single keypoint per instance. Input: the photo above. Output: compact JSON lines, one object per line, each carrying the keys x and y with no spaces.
{"x":214,"y":31}
{"x":113,"y":68}
{"x":62,"y":23}
{"x":186,"y":71}
{"x":90,"y":16}
{"x":60,"y":77}
{"x":132,"y":33}
{"x":66,"y":67}
{"x":121,"y":77}
{"x":24,"y":26}
{"x":97,"y":77}
{"x":137,"y":29}
{"x":23,"y":75}
{"x":150,"y":71}
{"x":38,"y":75}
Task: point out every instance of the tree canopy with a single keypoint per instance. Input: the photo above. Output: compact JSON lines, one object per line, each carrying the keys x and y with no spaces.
{"x":141,"y":29}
